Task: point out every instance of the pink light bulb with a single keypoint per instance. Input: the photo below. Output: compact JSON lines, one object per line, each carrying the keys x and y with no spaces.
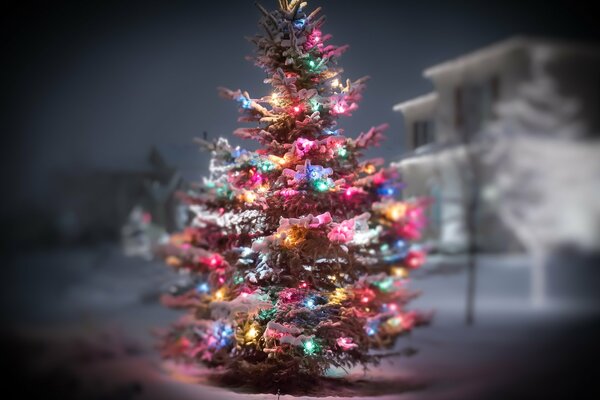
{"x":350,"y":191}
{"x":338,"y":108}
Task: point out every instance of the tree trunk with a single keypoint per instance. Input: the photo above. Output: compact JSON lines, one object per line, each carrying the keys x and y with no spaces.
{"x":538,"y":278}
{"x":471,"y":219}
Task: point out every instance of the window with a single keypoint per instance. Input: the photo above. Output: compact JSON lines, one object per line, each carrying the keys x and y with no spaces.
{"x":422,"y":133}
{"x":458,"y":107}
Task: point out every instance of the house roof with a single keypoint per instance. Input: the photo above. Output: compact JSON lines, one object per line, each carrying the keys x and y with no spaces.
{"x":488,"y":56}
{"x":422,"y":102}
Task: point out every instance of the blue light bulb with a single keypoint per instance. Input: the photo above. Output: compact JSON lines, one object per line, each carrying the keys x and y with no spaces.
{"x":299,"y":23}
{"x":203,"y":287}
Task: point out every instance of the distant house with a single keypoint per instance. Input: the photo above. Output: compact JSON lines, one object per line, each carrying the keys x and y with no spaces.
{"x":96,"y":204}
{"x":517,"y":84}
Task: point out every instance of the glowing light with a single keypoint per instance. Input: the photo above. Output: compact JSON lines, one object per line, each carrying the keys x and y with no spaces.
{"x":339,"y":109}
{"x":414,"y":259}
{"x":331,"y":278}
{"x":365,"y":299}
{"x":246,"y":103}
{"x":215,"y":260}
{"x":335,"y":83}
{"x":321,"y":185}
{"x":330,"y":132}
{"x":385,"y":284}
{"x":395,"y":321}
{"x":310,"y":303}
{"x":263,"y":189}
{"x":399,"y":272}
{"x":310,"y":347}
{"x":338,"y":296}
{"x":312,"y":63}
{"x":370,"y":169}
{"x":299,"y":23}
{"x":251,"y":333}
{"x":267,"y":166}
{"x":249,"y":197}
{"x":342,"y":152}
{"x":396,"y":211}
{"x":303,"y":285}
{"x":386,"y":191}
{"x":297,"y":109}
{"x":294,"y":236}
{"x":305,"y":145}
{"x":219,"y":294}
{"x":275,"y":99}
{"x":351,"y":191}
{"x":203,"y":288}
{"x":173,"y":261}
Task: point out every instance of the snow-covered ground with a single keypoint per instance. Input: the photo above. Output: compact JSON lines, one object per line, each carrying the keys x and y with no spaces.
{"x":90,"y":313}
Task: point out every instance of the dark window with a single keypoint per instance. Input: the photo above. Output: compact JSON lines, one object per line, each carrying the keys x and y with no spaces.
{"x":495,"y":87}
{"x":458,"y":108}
{"x":422,"y":133}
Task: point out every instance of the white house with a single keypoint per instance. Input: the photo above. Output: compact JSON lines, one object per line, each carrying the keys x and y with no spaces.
{"x":509,"y":132}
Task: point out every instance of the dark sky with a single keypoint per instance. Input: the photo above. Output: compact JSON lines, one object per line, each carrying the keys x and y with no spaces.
{"x":93,"y":84}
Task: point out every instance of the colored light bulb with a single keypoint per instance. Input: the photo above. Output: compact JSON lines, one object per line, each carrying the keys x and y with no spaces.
{"x":339,"y":109}
{"x":310,"y":347}
{"x":252,"y":333}
{"x":310,"y":303}
{"x":342,"y":152}
{"x":299,"y":23}
{"x":321,"y":186}
{"x":203,"y":288}
{"x":335,"y":83}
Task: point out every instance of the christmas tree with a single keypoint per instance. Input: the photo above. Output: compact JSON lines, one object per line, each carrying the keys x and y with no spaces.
{"x":298,"y":254}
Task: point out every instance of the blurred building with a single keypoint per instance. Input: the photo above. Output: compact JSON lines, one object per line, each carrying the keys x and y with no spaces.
{"x":95,"y":205}
{"x":481,"y":101}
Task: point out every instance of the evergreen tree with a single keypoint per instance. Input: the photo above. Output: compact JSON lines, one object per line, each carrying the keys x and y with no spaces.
{"x":298,"y":253}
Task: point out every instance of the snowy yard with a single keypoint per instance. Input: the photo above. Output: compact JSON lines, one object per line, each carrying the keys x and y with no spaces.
{"x":82,"y":320}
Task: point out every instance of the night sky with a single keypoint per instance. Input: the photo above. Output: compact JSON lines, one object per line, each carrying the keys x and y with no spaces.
{"x":93,"y":84}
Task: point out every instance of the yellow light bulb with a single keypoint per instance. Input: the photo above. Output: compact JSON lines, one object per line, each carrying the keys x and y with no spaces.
{"x":335,"y":82}
{"x":219,"y":294}
{"x":396,"y":211}
{"x":275,"y":99}
{"x":369,"y":169}
{"x":251,"y":334}
{"x":249,"y":197}
{"x":338,"y":296}
{"x":399,"y":272}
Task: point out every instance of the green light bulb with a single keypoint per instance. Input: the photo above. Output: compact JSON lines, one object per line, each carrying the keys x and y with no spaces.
{"x":386,"y":284}
{"x":342,"y":152}
{"x":321,"y":186}
{"x":310,"y":347}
